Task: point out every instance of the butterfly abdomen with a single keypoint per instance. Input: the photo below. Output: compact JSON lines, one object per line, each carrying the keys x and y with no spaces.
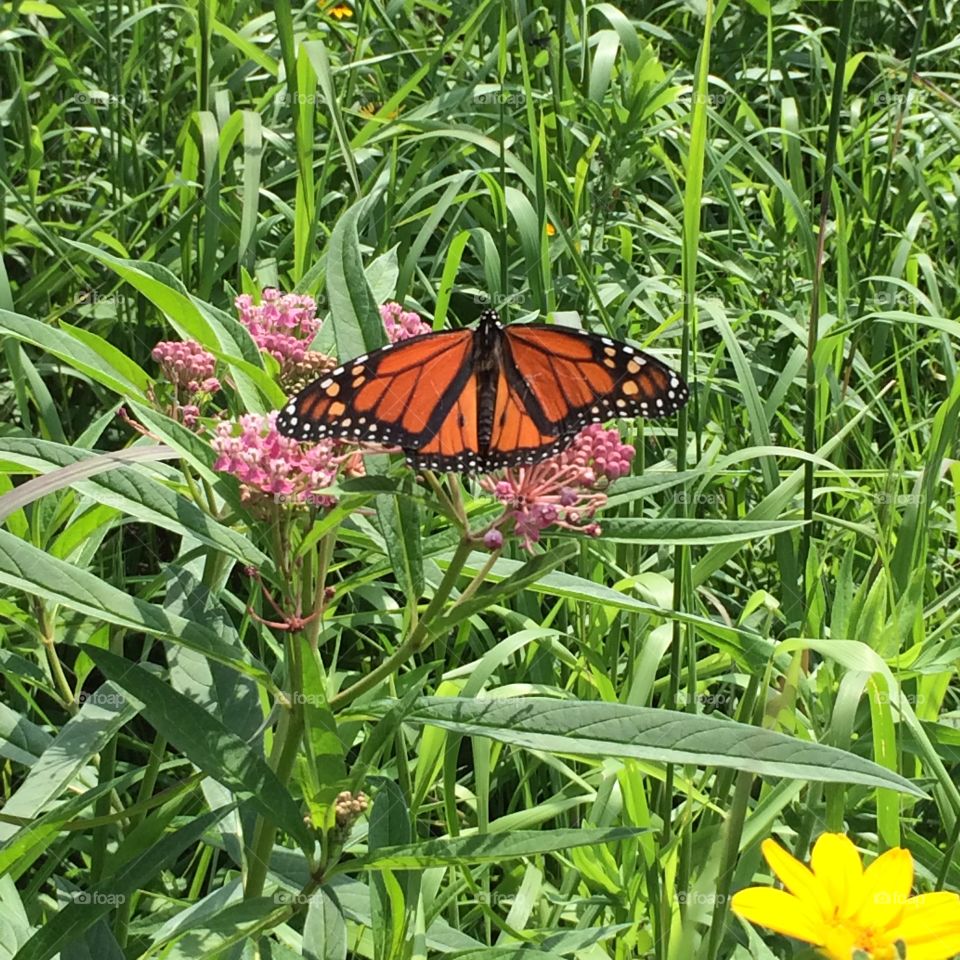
{"x":487,"y":362}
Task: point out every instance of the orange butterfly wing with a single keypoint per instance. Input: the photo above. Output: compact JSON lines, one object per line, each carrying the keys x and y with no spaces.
{"x":517,"y":436}
{"x":399,"y":395}
{"x":574,"y":378}
{"x":523,"y":398}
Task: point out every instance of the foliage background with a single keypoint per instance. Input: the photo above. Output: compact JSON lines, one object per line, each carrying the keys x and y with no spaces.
{"x":765,"y":192}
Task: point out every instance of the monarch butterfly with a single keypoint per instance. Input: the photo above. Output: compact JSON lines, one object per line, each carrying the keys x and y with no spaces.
{"x":476,"y":400}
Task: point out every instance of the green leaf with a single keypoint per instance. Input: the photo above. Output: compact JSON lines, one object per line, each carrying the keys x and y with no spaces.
{"x":131,"y":381}
{"x":354,"y":317}
{"x":578,"y":728}
{"x":670,"y":531}
{"x":324,"y":930}
{"x":65,"y":927}
{"x":218,"y":332}
{"x":489,"y":847}
{"x":400,"y":525}
{"x":207,"y":743}
{"x":35,"y":572}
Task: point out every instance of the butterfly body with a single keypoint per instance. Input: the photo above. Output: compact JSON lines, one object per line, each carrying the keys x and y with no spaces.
{"x":477,"y":400}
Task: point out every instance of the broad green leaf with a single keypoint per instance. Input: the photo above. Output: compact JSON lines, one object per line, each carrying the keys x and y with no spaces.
{"x":65,"y":927}
{"x":490,"y":847}
{"x":208,"y":744}
{"x":35,"y":572}
{"x":674,"y":530}
{"x":76,"y":353}
{"x":354,"y":316}
{"x":324,"y":930}
{"x":577,"y":728}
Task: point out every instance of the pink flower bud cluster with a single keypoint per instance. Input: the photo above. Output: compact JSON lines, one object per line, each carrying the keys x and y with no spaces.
{"x":563,"y":491}
{"x":189,"y":369}
{"x":187,"y":365}
{"x":284,"y":325}
{"x":402,"y":324}
{"x":269,"y":464}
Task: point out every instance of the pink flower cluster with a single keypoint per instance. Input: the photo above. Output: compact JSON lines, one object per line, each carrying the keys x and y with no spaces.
{"x":402,"y":324}
{"x":186,"y":364}
{"x":267,"y":463}
{"x":562,"y":491}
{"x":283,"y":325}
{"x":189,"y":368}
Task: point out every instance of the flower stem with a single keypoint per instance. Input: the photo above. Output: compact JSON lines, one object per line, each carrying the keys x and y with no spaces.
{"x":418,"y":637}
{"x":286,"y":744}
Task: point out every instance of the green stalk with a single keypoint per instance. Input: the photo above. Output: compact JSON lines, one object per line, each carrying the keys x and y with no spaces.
{"x":286,"y":745}
{"x":810,"y":417}
{"x":731,"y":850}
{"x":418,"y":636}
{"x":693,"y":191}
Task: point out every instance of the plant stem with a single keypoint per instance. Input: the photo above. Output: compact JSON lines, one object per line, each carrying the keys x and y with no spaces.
{"x":417,"y":638}
{"x":286,"y":745}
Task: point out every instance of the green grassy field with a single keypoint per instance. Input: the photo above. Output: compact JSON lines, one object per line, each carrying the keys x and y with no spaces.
{"x":252,"y":713}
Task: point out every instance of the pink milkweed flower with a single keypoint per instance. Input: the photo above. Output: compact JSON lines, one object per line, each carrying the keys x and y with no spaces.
{"x":270,"y":465}
{"x":189,"y":369}
{"x":284,"y":325}
{"x":402,"y":324}
{"x":185,"y":363}
{"x":563,"y":490}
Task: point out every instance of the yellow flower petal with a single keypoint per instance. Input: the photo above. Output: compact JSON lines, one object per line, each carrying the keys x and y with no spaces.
{"x":886,"y":889}
{"x":798,"y":879}
{"x":928,"y":921}
{"x":840,"y":943}
{"x":779,"y":911}
{"x":836,"y":864}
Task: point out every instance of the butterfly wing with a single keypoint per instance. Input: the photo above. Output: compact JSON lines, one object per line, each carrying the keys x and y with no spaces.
{"x":521,"y":434}
{"x":573,"y":378}
{"x":399,"y":396}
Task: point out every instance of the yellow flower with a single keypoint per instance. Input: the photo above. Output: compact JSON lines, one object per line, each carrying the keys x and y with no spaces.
{"x":551,"y":229}
{"x":340,"y":11}
{"x":841,"y":908}
{"x":373,"y":106}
